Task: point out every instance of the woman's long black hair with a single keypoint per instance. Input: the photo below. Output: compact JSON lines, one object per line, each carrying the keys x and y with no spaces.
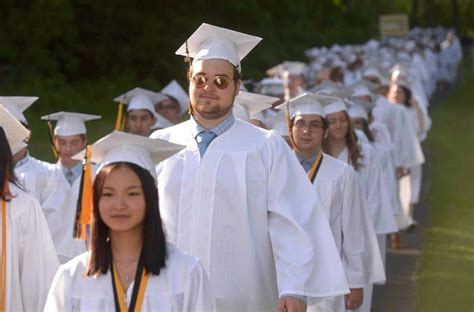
{"x":154,"y":242}
{"x":7,"y":170}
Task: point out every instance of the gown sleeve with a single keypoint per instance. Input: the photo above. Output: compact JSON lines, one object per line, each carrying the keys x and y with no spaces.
{"x":197,"y":292}
{"x":306,"y":257}
{"x":38,"y":260}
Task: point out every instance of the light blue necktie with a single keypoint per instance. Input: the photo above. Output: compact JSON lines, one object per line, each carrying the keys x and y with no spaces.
{"x":70,"y":176}
{"x":203,"y":139}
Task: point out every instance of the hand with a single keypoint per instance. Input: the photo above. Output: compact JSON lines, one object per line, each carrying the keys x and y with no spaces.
{"x":401,"y":172}
{"x":291,"y":304}
{"x":354,"y":298}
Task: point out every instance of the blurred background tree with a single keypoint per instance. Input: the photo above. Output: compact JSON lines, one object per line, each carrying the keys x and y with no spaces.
{"x":78,"y":55}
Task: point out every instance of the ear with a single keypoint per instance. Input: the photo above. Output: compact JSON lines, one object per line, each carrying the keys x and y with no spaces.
{"x":237,"y":88}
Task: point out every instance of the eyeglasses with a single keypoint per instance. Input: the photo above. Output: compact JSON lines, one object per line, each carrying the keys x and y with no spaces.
{"x":220,"y":81}
{"x":313,"y":126}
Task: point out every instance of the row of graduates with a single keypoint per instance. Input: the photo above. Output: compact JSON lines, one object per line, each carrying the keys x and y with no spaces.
{"x":244,"y":206}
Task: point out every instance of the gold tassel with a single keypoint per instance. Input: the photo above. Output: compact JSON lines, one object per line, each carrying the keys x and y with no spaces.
{"x":120,"y":122}
{"x":51,"y":139}
{"x":84,"y":201}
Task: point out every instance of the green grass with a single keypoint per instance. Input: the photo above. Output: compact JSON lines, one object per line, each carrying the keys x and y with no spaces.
{"x":445,"y":278}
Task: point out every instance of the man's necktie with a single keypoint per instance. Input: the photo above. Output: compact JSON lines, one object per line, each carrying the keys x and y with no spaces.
{"x":204,"y":138}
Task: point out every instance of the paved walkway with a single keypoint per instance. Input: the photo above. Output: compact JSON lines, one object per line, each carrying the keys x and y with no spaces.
{"x":398,"y":294}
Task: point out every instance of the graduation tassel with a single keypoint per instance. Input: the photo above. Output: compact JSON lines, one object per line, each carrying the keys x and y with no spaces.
{"x":120,"y":122}
{"x":290,"y":129}
{"x":187,"y":59}
{"x":84,"y":201}
{"x":51,"y":138}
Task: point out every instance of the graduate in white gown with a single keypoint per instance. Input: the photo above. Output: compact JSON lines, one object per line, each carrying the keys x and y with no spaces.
{"x":34,"y":175}
{"x":241,"y":203}
{"x":176,"y":102}
{"x":341,"y":143}
{"x":129,"y":267}
{"x":140,"y":117}
{"x":69,"y":138}
{"x":338,"y":188}
{"x":24,"y":235}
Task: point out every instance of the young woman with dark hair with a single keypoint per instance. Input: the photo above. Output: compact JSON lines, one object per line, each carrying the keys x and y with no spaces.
{"x":129,"y":265}
{"x":28,"y":261}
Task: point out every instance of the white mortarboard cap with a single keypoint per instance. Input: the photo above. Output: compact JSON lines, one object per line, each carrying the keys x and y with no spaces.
{"x":331,"y":88}
{"x":360,"y":90}
{"x":174,"y":90}
{"x":247,"y":104}
{"x":372,"y":72}
{"x":70,"y":123}
{"x":161,"y":122}
{"x":126,"y":147}
{"x":357,"y":111}
{"x":212,"y":42}
{"x":126,"y":98}
{"x":16,"y":133}
{"x":339,"y":103}
{"x":304,"y":104}
{"x":272,"y":86}
{"x":16,"y":105}
{"x":287,"y":68}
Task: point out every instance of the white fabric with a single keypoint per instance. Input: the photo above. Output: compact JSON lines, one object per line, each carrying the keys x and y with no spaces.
{"x":42,"y":183}
{"x":338,"y":188}
{"x":31,"y":259}
{"x":371,"y":183}
{"x":181,"y":286}
{"x":141,"y":101}
{"x":66,"y":246}
{"x":383,"y":146}
{"x":407,"y":150}
{"x":249,"y":213}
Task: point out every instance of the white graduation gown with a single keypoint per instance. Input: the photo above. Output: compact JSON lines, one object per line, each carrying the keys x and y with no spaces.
{"x":245,"y":210}
{"x":181,"y":286}
{"x":40,"y":182}
{"x":372,"y":188}
{"x":66,"y":246}
{"x":31,"y":258}
{"x":338,"y":188}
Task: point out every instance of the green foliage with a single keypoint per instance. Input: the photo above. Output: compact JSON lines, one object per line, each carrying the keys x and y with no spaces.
{"x":78,"y":55}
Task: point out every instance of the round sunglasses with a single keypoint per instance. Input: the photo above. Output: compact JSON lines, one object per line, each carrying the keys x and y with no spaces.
{"x":220,"y":81}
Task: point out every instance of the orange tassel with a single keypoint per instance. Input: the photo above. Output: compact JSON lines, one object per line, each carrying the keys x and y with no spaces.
{"x":119,"y":123}
{"x":84,"y":211}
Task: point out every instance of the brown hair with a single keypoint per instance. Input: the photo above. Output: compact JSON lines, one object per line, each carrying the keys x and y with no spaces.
{"x":154,"y":243}
{"x":351,"y":143}
{"x":7,"y":172}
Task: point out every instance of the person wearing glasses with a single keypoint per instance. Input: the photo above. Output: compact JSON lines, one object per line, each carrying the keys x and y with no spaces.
{"x":338,"y":188}
{"x":28,"y":261}
{"x":237,"y":198}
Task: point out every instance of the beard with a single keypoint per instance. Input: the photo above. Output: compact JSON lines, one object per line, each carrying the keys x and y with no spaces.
{"x":211,"y":111}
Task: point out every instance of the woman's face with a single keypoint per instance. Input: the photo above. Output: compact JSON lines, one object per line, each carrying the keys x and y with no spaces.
{"x":122,"y":203}
{"x":396,"y":94}
{"x":338,"y":126}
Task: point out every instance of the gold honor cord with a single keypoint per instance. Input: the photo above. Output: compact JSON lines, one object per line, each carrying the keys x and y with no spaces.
{"x":84,"y":200}
{"x":120,"y":122}
{"x":4,"y":256}
{"x":138,"y":293}
{"x":315,"y":168}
